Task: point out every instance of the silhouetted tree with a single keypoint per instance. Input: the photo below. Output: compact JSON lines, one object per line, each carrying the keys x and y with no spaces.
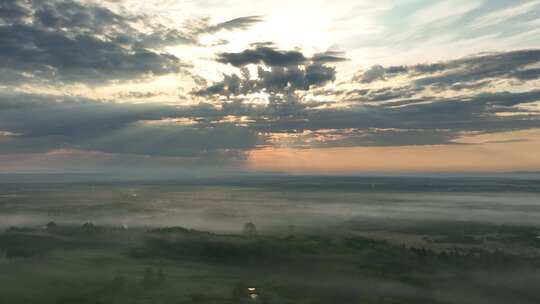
{"x":51,"y":226}
{"x":88,"y":227}
{"x":250,"y":229}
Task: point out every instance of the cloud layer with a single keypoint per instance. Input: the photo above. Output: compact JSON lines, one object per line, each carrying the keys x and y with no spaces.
{"x":427,"y":109}
{"x":268,"y":95}
{"x":73,"y":42}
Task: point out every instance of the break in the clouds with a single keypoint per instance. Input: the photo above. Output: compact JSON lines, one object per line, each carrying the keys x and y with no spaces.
{"x":208,"y":85}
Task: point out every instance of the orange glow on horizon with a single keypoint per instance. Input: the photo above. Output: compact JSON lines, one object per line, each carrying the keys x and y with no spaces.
{"x":509,"y":151}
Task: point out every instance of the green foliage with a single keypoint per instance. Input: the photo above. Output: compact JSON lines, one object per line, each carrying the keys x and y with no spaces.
{"x":19,"y":244}
{"x":177,"y":265}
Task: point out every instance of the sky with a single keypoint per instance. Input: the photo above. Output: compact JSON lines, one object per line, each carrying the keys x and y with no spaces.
{"x":208,"y":87}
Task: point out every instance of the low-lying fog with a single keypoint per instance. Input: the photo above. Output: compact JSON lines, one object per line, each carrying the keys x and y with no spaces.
{"x":225,"y":207}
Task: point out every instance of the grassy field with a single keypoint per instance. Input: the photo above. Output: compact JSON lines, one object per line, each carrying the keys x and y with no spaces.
{"x":176,"y":265}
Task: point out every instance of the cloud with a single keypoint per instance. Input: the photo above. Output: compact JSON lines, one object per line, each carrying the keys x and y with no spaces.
{"x":137,"y":95}
{"x":505,"y":14}
{"x":527,"y":74}
{"x":506,"y":65}
{"x":273,"y":80}
{"x":383,"y":94}
{"x":71,"y":42}
{"x":267,"y":54}
{"x":84,"y":59}
{"x":43,"y":123}
{"x":240,"y":23}
{"x":11,"y":10}
{"x":125,"y":165}
{"x":465,"y":73}
{"x":329,"y":57}
{"x":263,"y":54}
{"x":415,"y":112}
{"x":378,"y":72}
{"x":404,"y":120}
{"x":278,"y":72}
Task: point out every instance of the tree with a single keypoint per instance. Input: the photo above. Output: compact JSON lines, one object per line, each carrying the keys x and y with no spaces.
{"x":51,"y":226}
{"x":250,"y":229}
{"x":88,"y":227}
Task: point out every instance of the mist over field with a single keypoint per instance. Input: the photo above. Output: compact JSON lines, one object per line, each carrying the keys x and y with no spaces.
{"x":224,"y":205}
{"x":374,"y":239}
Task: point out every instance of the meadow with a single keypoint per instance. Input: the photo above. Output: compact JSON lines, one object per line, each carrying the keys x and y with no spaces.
{"x":349,"y":243}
